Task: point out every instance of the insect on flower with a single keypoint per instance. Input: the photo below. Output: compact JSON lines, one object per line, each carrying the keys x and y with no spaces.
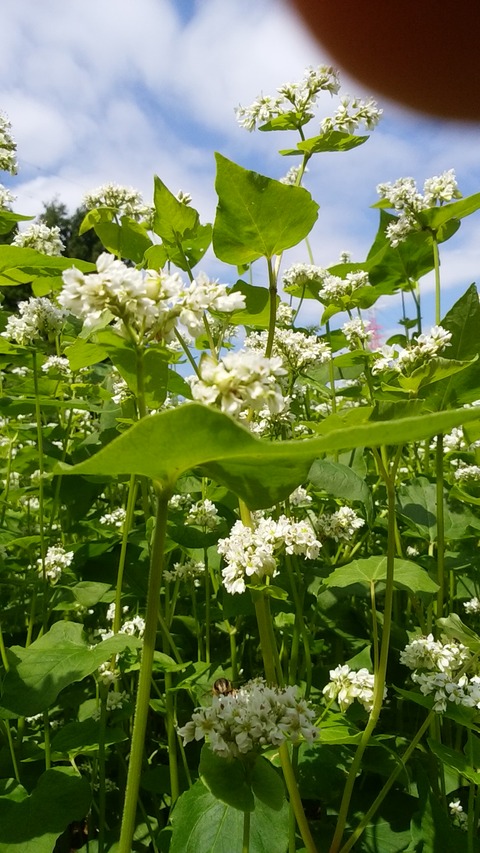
{"x":223,"y":687}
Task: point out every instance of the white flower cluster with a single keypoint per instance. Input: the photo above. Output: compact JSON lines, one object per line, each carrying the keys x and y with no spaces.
{"x":115,"y":702}
{"x":472,"y":606}
{"x":126,"y":201}
{"x":57,"y":364}
{"x":404,"y":195}
{"x":300,"y":274}
{"x":204,"y":514}
{"x":8,"y":147}
{"x":440,"y":669}
{"x":467,"y":473}
{"x":241,"y":380}
{"x":299,"y":497}
{"x":334,"y":288}
{"x":252,"y":552}
{"x":351,"y":114}
{"x":296,"y":349}
{"x":356,"y":331}
{"x":251,"y":719}
{"x":39,"y":319}
{"x":460,"y":818}
{"x":422,"y":350}
{"x":115,"y":518}
{"x":41,"y":238}
{"x":340,"y":525}
{"x":146,"y":301}
{"x":6,"y":198}
{"x":291,"y":178}
{"x":292,"y":97}
{"x":134,"y":627}
{"x":56,"y":560}
{"x":347,"y":684}
{"x":189,"y":570}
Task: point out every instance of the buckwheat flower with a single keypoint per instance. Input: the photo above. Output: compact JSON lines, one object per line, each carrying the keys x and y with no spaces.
{"x":296,"y":349}
{"x":241,"y":380}
{"x":110,"y":615}
{"x":183,"y":572}
{"x":299,"y":497}
{"x":263,"y":109}
{"x":252,"y":719}
{"x":398,"y":231}
{"x":125,"y":200}
{"x":285,"y":314}
{"x":300,"y":274}
{"x":106,"y":675}
{"x":204,"y":514}
{"x":357,"y":331}
{"x":205,"y":295}
{"x":178,"y":502}
{"x":56,"y":560}
{"x":351,"y":114}
{"x":57,"y":364}
{"x":42,"y":238}
{"x":39,"y":319}
{"x":336,"y":288}
{"x":115,"y":702}
{"x":472,"y":606}
{"x":134,"y":627}
{"x":8,"y":147}
{"x":467,"y":473}
{"x":453,"y":440}
{"x":430,"y":654}
{"x":291,"y":178}
{"x":412,"y":551}
{"x":115,"y":518}
{"x":441,"y":188}
{"x":455,"y":807}
{"x":346,"y":685}
{"x":402,"y":195}
{"x":299,"y":537}
{"x":6,"y":198}
{"x":340,"y":525}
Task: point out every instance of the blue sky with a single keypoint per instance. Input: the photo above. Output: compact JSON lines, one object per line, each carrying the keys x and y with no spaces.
{"x":116,"y":90}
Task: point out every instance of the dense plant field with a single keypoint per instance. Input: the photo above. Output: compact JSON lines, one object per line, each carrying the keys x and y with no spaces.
{"x":239,"y":556}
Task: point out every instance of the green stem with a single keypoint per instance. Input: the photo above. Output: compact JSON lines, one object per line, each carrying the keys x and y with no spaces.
{"x":295,"y":799}
{"x":436,"y":262}
{"x":127,"y":525}
{"x":380,"y":675}
{"x":301,"y":627}
{"x":272,"y":294}
{"x":146,"y":666}
{"x":102,"y":800}
{"x":246,"y":833}
{"x":440,"y":526}
{"x":171,"y":739}
{"x":388,"y":784}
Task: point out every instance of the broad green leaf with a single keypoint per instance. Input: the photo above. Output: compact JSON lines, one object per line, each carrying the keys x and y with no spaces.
{"x":190,"y":249}
{"x":337,"y":729}
{"x":124,"y":357}
{"x":203,"y":823}
{"x":267,"y":784}
{"x":435,"y":217}
{"x":434,"y":370}
{"x":8,"y":220}
{"x":33,"y":824}
{"x":168,"y":444}
{"x":257,"y":306}
{"x":57,"y":659}
{"x":96,"y":216}
{"x":455,"y":760}
{"x":392,"y":268}
{"x":341,"y":482}
{"x":127,"y":240}
{"x":83,"y":354}
{"x":226,"y":780}
{"x":85,"y":736}
{"x":257,"y":216}
{"x":173,"y":219}
{"x":453,"y":627}
{"x":35,"y":263}
{"x":407,"y":575}
{"x":155,"y":257}
{"x":286,"y":121}
{"x":463,"y":321}
{"x":336,"y":140}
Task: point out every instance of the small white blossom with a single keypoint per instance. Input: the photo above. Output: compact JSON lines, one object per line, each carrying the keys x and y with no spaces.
{"x":346,"y":685}
{"x":57,"y":364}
{"x":56,"y":560}
{"x":467,"y":473}
{"x":251,"y":719}
{"x":351,"y":114}
{"x":296,"y":349}
{"x":357,"y":330}
{"x":125,"y":200}
{"x":41,"y":238}
{"x":241,"y":380}
{"x":115,"y":518}
{"x":204,"y":514}
{"x":299,"y":497}
{"x":189,"y":570}
{"x":340,"y":525}
{"x":8,"y":147}
{"x":6,"y":197}
{"x":39,"y":319}
{"x":472,"y":606}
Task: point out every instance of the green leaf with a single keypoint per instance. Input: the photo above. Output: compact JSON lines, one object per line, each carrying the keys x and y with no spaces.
{"x":85,"y":736}
{"x":203,"y":824}
{"x":454,"y":628}
{"x":33,"y":824}
{"x":124,"y":357}
{"x":35,"y":263}
{"x":96,"y":216}
{"x":286,"y":121}
{"x":267,"y":784}
{"x":173,"y":219}
{"x":8,"y":220}
{"x":226,"y":779}
{"x":127,"y":240}
{"x":407,"y":575}
{"x":257,"y":216}
{"x":434,"y":370}
{"x":168,"y":444}
{"x":257,"y":306}
{"x":58,"y":658}
{"x":435,"y":217}
{"x":463,"y":321}
{"x":336,"y":140}
{"x":455,"y":760}
{"x":83,"y":354}
{"x":341,"y":482}
{"x":191,"y":248}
